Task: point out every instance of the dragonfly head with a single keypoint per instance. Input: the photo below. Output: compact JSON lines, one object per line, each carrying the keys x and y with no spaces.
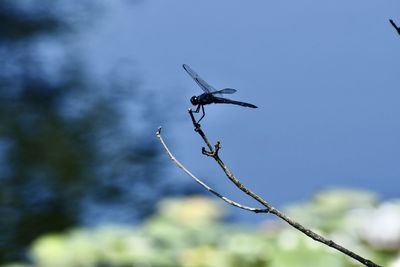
{"x":194,"y":100}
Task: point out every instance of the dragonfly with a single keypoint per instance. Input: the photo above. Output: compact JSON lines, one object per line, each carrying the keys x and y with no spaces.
{"x":211,"y":95}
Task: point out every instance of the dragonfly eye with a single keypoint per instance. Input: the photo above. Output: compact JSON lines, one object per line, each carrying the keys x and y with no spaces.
{"x":194,"y":100}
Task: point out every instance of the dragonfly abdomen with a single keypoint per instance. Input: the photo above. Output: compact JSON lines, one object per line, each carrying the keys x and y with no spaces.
{"x":234,"y":102}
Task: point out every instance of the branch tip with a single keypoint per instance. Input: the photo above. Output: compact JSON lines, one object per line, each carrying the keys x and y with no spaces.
{"x":217,"y":147}
{"x":158,"y":132}
{"x":395,"y":26}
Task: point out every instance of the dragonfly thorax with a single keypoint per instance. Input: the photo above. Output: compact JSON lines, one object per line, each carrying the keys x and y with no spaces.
{"x":194,"y":100}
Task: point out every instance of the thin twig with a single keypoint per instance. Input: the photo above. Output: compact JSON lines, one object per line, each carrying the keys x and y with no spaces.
{"x":214,"y":154}
{"x":180,"y":165}
{"x":395,"y":26}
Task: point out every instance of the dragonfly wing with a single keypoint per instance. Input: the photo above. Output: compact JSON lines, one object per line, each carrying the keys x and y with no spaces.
{"x":234,"y":102}
{"x":203,"y":84}
{"x":225,"y":91}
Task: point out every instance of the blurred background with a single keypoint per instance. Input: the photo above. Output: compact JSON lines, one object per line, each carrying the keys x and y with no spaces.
{"x":84,"y":86}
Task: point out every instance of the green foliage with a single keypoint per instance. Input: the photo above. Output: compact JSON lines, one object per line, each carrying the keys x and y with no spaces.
{"x":70,"y":149}
{"x":189,"y":233}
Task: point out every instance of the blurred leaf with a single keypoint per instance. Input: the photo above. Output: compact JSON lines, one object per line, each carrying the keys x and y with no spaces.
{"x":164,"y":241}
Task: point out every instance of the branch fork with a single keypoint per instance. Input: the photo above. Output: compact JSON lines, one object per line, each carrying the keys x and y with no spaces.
{"x":212,"y":153}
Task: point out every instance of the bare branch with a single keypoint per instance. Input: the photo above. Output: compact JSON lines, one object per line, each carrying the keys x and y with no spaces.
{"x":213,"y":152}
{"x":180,"y":165}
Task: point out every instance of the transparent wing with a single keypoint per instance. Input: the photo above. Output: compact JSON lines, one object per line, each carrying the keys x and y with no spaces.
{"x":225,"y":91}
{"x":203,"y":84}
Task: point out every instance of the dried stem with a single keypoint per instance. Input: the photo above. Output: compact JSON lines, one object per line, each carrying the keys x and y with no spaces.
{"x":213,"y":152}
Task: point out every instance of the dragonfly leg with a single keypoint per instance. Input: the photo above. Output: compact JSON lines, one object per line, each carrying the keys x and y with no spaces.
{"x":197,"y":109}
{"x":204,"y":113}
